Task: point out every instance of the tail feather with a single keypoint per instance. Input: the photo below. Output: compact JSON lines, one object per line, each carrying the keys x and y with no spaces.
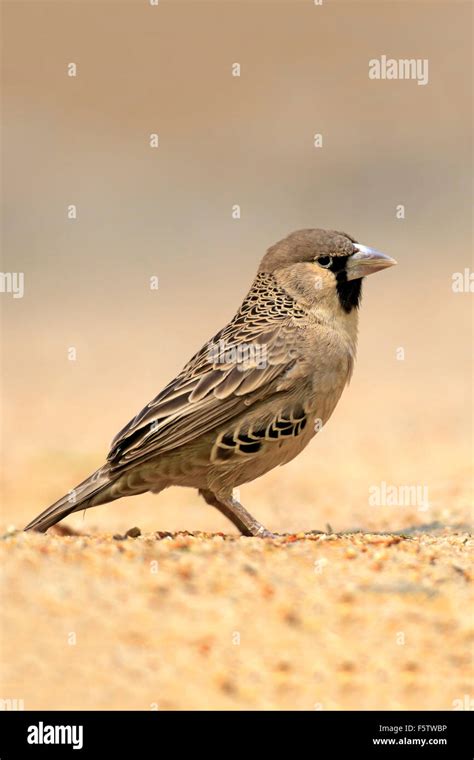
{"x":89,"y":493}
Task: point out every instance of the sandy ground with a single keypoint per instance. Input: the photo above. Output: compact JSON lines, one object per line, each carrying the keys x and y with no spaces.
{"x":176,"y":621}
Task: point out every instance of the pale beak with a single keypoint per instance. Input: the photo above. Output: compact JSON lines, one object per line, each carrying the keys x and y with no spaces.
{"x":366,"y":261}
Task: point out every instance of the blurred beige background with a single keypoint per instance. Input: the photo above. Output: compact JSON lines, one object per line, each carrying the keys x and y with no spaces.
{"x":167,"y":212}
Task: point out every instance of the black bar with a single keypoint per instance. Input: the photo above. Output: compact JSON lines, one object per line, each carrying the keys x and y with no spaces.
{"x":370,"y":734}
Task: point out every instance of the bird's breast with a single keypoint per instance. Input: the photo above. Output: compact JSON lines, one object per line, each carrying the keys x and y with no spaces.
{"x":330,"y":374}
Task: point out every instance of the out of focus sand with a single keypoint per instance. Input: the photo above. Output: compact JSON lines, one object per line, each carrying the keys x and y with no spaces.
{"x":205,"y":621}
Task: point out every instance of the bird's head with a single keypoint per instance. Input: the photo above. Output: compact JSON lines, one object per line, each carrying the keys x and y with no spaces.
{"x":322,"y":264}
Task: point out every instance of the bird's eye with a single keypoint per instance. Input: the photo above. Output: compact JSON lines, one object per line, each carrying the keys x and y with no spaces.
{"x":324,"y":261}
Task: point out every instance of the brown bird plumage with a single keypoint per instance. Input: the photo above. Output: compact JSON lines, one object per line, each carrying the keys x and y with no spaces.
{"x":254,"y":396}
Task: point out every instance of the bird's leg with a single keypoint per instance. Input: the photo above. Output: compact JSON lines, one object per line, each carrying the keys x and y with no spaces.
{"x":237,"y":514}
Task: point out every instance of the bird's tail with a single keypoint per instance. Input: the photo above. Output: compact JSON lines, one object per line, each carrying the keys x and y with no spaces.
{"x":89,"y":493}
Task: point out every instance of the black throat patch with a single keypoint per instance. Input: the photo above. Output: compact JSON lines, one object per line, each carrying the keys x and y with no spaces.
{"x":349,"y":292}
